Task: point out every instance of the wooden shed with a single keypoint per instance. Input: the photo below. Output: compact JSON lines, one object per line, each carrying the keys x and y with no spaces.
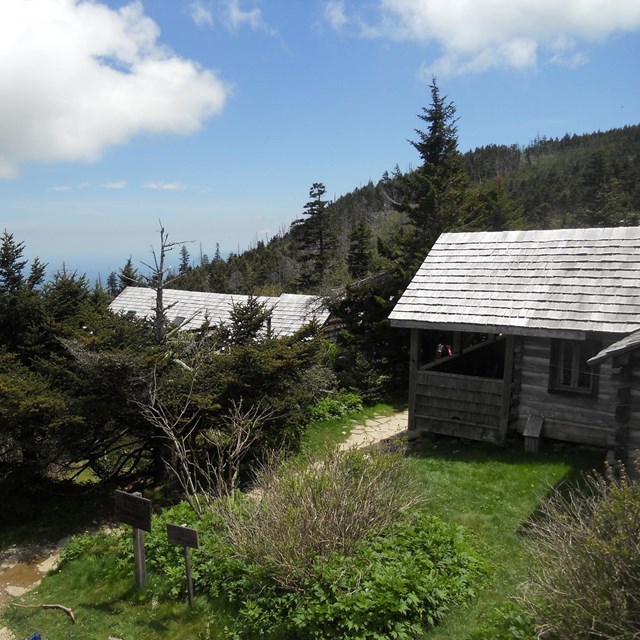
{"x":517,"y":332}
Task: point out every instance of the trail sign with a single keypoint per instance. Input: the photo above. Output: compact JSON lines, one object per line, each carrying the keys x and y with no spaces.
{"x":133,"y":509}
{"x":186,"y":537}
{"x":183,"y":536}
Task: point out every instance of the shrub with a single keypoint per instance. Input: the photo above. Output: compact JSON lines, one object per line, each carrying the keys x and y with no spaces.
{"x":394,"y":584}
{"x":308,"y":509}
{"x":336,"y":405}
{"x":586,"y":575}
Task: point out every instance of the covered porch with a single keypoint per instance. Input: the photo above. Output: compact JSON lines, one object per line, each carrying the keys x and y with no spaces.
{"x":461,"y":384}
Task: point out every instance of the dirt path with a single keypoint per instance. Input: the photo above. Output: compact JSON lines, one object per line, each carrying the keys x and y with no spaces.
{"x":376,"y":430}
{"x":21,"y":569}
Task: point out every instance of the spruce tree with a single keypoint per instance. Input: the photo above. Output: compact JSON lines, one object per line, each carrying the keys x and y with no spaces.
{"x":129,"y":275}
{"x":314,"y":237}
{"x":434,"y":193}
{"x":360,"y":257}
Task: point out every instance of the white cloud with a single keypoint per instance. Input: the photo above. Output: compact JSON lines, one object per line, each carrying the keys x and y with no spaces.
{"x":60,"y":187}
{"x":474,"y":35}
{"x":200,"y":13}
{"x":165,"y":186}
{"x":77,"y":77}
{"x":335,"y":15}
{"x":235,"y":17}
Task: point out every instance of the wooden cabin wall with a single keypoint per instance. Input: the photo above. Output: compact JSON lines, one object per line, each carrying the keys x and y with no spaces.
{"x":573,"y":418}
{"x":634,"y":401}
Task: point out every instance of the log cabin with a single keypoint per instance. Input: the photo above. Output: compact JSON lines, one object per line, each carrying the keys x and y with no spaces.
{"x":527,"y":332}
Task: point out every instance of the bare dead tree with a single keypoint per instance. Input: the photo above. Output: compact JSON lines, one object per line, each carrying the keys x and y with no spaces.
{"x":229,"y":446}
{"x":157,"y":281}
{"x":206,"y":462}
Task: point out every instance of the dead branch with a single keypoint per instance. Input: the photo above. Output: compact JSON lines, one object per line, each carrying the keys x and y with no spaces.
{"x":61,"y":607}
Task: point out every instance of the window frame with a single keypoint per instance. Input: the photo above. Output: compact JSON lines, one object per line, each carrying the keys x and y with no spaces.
{"x":579,"y":352}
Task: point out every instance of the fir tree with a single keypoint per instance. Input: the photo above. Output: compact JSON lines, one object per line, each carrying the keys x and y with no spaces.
{"x":435,"y":192}
{"x":315,"y":240}
{"x":360,"y":257}
{"x":128,"y":275}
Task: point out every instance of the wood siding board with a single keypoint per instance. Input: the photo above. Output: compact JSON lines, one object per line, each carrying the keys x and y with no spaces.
{"x":458,"y":429}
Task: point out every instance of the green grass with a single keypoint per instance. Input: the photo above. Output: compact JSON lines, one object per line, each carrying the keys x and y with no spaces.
{"x":104,"y":609}
{"x":329,"y":433}
{"x":490,"y":491}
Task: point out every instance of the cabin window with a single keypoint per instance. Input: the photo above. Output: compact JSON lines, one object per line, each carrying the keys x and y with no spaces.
{"x":569,"y":369}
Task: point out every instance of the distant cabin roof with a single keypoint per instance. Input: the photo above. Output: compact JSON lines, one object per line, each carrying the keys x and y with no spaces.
{"x":562,"y":281}
{"x":191,"y":309}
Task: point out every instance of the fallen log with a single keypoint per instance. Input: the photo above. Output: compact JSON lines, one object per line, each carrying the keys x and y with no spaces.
{"x":66,"y":610}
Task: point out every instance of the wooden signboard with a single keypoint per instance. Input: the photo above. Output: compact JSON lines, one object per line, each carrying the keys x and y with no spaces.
{"x":187,"y":538}
{"x":133,"y":509}
{"x":183,"y":536}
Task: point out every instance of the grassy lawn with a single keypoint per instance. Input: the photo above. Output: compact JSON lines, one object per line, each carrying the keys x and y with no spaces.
{"x":489,"y":491}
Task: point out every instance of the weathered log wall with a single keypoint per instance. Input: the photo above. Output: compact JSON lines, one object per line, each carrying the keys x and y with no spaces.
{"x":570,"y":417}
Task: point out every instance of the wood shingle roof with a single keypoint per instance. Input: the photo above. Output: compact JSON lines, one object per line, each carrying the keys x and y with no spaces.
{"x":562,"y":281}
{"x":190,"y":309}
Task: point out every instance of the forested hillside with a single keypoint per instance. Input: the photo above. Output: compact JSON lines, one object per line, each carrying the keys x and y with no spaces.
{"x":582,"y":181}
{"x":576,"y":181}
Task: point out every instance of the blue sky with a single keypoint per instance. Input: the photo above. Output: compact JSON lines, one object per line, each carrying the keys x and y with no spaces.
{"x":216,"y":116}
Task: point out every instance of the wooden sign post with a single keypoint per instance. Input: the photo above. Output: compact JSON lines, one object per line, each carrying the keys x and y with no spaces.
{"x":133,"y":509}
{"x":188,"y":538}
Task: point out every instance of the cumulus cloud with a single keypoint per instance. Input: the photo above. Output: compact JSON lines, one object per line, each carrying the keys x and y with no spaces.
{"x":474,"y":35}
{"x":77,"y":77}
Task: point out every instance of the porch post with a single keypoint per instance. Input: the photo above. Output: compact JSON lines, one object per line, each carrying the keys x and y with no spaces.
{"x":507,"y":379}
{"x":414,"y":363}
{"x":457,"y":343}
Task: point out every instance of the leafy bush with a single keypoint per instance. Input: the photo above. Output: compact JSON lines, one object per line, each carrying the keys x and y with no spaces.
{"x":336,"y":405}
{"x":393,"y":584}
{"x":586,"y":575}
{"x":506,"y":622}
{"x":339,"y":549}
{"x":308,"y":509}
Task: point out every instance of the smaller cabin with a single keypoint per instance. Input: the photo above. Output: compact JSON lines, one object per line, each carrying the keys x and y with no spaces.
{"x":190,"y":310}
{"x":516,"y":332}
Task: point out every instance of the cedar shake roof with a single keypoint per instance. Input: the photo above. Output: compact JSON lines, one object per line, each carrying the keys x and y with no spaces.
{"x":562,"y":282}
{"x":191,"y":309}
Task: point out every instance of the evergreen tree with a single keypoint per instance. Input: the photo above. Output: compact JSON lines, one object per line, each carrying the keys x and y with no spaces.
{"x":129,"y":276}
{"x":184,"y":260}
{"x":360,"y":257}
{"x":435,"y":192}
{"x":248,"y":321}
{"x":315,"y":240}
{"x":113,"y":284}
{"x":20,"y":301}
